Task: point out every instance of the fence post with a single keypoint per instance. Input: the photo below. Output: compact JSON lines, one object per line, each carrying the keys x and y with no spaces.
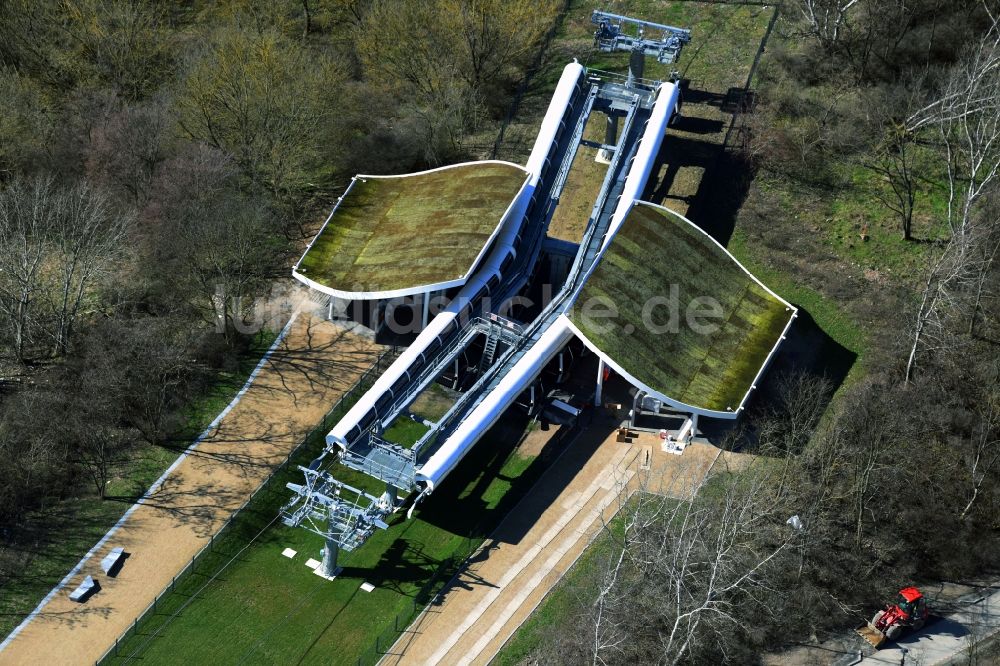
{"x":338,"y":407}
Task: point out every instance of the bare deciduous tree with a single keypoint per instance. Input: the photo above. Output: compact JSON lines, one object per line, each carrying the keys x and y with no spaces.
{"x":87,"y":242}
{"x":894,"y":163}
{"x":983,"y":454}
{"x":28,"y":213}
{"x":54,"y":243}
{"x":967,"y":116}
{"x":681,"y":573}
{"x":126,"y":146}
{"x":826,"y":18}
{"x":951,"y":293}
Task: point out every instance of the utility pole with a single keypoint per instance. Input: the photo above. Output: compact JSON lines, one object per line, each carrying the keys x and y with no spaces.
{"x":343,"y":515}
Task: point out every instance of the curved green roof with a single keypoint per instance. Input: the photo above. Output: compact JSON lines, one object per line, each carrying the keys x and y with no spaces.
{"x":397,"y":233}
{"x":659,"y":254}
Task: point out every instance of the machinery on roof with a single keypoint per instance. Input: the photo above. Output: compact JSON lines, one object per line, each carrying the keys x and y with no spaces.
{"x":610,"y":37}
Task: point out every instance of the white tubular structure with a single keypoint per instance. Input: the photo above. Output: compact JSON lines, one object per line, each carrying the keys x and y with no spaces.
{"x":559,"y":333}
{"x":399,"y":373}
{"x":645,"y":157}
{"x":492,"y":407}
{"x":487,"y":277}
{"x":561,"y":98}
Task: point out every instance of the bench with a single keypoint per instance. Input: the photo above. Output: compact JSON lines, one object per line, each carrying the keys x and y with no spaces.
{"x":84,"y":589}
{"x":112,"y":559}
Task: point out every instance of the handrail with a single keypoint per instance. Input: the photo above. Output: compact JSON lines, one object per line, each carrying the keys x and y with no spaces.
{"x":601,"y":73}
{"x":375,"y":369}
{"x":468,"y":400}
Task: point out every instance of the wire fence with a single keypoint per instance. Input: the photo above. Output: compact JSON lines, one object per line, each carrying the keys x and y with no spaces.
{"x":738,"y":134}
{"x":533,"y":69}
{"x":119,"y":651}
{"x":428,"y":595}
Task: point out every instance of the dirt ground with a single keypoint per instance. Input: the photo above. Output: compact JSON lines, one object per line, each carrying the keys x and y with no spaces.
{"x":542,"y":537}
{"x":313,"y":366}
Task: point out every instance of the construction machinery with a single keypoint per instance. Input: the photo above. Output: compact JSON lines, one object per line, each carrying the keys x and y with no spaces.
{"x":908,"y":613}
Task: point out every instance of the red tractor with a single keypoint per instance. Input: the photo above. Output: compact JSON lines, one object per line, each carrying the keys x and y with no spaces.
{"x":909,"y":613}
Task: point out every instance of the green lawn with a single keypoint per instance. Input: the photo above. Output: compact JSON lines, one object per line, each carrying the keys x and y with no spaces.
{"x":657,"y":255}
{"x":404,"y":431}
{"x":43,"y":549}
{"x":828,"y":314}
{"x":434,"y":402}
{"x":270,"y":609}
{"x":402,"y":232}
{"x":852,"y":222}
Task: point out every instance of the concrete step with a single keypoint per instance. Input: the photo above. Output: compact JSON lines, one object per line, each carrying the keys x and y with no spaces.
{"x":538,"y":568}
{"x":558,"y":559}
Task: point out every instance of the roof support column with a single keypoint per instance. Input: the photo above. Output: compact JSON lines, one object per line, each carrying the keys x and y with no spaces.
{"x":600,"y":383}
{"x":426,"y":308}
{"x":689,"y":430}
{"x":610,"y":138}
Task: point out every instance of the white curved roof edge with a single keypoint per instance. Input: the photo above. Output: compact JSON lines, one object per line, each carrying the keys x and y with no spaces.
{"x":561,"y":96}
{"x":440,"y":168}
{"x":418,"y":289}
{"x":377,"y":295}
{"x":677,"y":404}
{"x":718,"y":245}
{"x":788,"y":324}
{"x":648,"y":389}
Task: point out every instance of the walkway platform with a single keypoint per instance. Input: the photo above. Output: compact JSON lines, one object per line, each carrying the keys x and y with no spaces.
{"x":540,"y":540}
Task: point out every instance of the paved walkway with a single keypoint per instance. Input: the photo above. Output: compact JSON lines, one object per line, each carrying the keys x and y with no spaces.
{"x":300,"y":381}
{"x":540,"y":540}
{"x":945,"y":640}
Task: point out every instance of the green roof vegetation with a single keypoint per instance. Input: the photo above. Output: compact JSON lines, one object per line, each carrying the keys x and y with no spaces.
{"x":434,"y":402}
{"x":405,"y":431}
{"x":403,"y":232}
{"x":657,"y":254}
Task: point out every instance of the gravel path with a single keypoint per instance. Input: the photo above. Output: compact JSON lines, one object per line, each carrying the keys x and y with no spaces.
{"x":306,"y":372}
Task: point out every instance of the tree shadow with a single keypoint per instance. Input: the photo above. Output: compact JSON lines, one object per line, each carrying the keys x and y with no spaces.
{"x":695,"y":125}
{"x":721,"y":194}
{"x":201,"y":507}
